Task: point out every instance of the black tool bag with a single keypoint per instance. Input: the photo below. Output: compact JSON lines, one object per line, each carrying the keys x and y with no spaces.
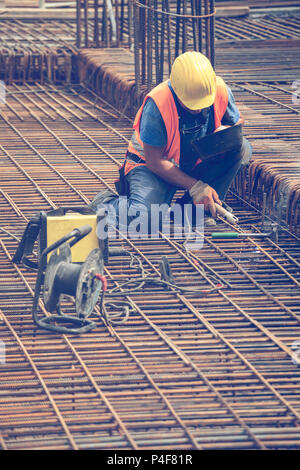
{"x":218,"y":142}
{"x":121,"y":184}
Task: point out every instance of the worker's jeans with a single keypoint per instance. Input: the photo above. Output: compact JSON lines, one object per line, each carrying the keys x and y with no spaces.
{"x":146,"y":188}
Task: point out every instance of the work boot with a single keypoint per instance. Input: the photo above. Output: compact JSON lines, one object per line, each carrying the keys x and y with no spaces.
{"x":103,"y":197}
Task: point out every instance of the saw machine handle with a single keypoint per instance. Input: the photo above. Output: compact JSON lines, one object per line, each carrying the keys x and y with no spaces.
{"x":77,"y":234}
{"x":81,"y":232}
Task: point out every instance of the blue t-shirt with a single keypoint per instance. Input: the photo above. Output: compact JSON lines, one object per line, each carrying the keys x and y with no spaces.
{"x":153,"y":130}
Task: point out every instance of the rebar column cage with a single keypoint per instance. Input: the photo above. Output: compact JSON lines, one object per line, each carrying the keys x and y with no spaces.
{"x":157,"y":31}
{"x":101,"y":23}
{"x":163,"y":29}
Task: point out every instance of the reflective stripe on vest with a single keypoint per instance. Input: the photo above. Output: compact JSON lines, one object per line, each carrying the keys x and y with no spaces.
{"x":164,"y":100}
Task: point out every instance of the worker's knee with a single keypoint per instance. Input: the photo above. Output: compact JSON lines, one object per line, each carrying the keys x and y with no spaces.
{"x":241,"y":156}
{"x":245,"y":152}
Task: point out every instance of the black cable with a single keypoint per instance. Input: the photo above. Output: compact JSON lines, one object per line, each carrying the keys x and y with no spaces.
{"x":139,"y":283}
{"x":161,"y":282}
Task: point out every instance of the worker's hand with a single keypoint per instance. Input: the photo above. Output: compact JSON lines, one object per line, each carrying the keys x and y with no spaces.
{"x":202,"y":193}
{"x":222,"y":127}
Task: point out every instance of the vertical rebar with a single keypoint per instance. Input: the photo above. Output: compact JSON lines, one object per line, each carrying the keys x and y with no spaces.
{"x":143,"y":43}
{"x":212,"y":33}
{"x":184,"y":28}
{"x":149,"y":45}
{"x":96,"y":23}
{"x":104,"y":24}
{"x":78,"y":23}
{"x":168,"y":36}
{"x":86,"y":23}
{"x":156,"y":45}
{"x":177,"y":33}
{"x":264,"y":206}
{"x":207,"y":25}
{"x":117,"y":23}
{"x":136,"y":49}
{"x":130,"y":24}
{"x":122,"y":15}
{"x":199,"y":23}
{"x":109,"y":22}
{"x":162,"y":43}
{"x":194,"y":25}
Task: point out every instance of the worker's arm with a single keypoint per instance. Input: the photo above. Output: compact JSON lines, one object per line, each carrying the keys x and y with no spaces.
{"x":200,"y":192}
{"x":232,"y":115}
{"x":166,"y":169}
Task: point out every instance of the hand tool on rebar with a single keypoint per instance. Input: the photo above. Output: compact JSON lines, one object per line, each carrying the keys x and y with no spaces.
{"x":166,"y":271}
{"x":234,"y":235}
{"x":273,"y":234}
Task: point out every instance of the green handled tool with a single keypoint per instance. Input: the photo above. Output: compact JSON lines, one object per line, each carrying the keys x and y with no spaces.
{"x":233,"y":235}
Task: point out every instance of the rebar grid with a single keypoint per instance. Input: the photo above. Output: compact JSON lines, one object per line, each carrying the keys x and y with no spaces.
{"x":54,"y":33}
{"x":183,"y":372}
{"x":45,"y":51}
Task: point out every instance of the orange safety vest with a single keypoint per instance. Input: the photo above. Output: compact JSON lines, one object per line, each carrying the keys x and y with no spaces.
{"x":164,"y":100}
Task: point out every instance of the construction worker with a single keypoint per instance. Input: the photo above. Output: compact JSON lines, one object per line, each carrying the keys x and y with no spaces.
{"x":160,"y":159}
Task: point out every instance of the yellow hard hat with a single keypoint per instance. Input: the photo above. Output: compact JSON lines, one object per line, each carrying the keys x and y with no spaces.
{"x":193,"y":80}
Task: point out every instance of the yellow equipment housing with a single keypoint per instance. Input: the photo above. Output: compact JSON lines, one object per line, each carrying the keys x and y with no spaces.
{"x":58,"y":226}
{"x":49,"y":227}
